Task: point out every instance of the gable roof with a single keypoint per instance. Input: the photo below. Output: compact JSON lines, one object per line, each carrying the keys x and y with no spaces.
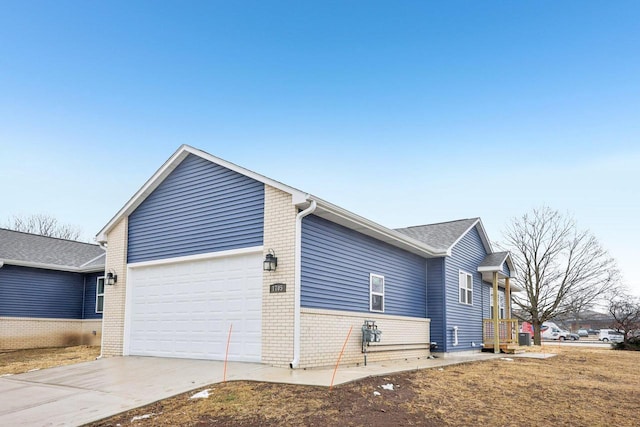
{"x":494,"y":261}
{"x":301,"y":199}
{"x":32,"y":250}
{"x":444,"y":235}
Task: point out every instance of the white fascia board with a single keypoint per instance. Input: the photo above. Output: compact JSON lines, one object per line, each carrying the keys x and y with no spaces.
{"x":168,"y":167}
{"x":31,"y":264}
{"x":197,"y":257}
{"x":361,"y":224}
{"x":483,"y":236}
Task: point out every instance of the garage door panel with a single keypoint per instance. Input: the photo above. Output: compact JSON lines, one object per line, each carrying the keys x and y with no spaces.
{"x":185,"y":309}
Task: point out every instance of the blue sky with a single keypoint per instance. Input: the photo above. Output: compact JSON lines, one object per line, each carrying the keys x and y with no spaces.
{"x":404,"y":112}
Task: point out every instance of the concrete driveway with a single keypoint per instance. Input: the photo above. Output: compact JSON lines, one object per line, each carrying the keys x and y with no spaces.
{"x":78,"y":394}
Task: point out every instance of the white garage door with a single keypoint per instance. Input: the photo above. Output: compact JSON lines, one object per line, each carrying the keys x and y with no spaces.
{"x":185,"y":309}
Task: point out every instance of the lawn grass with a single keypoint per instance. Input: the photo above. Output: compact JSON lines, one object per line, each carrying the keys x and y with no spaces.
{"x":20,"y":361}
{"x":579,"y":387}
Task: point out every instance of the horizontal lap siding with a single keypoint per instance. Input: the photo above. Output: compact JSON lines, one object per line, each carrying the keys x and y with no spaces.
{"x":466,"y":255}
{"x":337,"y":261}
{"x":436,"y":300}
{"x":91,"y":283}
{"x":34,"y":292}
{"x":200,"y":207}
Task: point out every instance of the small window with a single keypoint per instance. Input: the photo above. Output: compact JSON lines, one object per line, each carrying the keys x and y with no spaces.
{"x":466,"y":288}
{"x":100,"y":295}
{"x":376,"y":293}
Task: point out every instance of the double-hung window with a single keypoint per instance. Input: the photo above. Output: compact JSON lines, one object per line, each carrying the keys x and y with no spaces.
{"x":376,"y":292}
{"x":466,"y":288}
{"x":100,"y":295}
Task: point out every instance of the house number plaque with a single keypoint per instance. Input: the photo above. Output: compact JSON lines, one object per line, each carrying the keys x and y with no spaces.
{"x":277,"y":288}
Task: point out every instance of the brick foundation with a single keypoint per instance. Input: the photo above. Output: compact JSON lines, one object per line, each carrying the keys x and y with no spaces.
{"x":24,"y":332}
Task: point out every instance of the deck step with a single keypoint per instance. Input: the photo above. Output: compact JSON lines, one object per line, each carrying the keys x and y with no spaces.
{"x":505,"y":348}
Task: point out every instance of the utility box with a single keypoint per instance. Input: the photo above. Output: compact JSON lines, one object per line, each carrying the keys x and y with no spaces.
{"x":524,"y":338}
{"x":370,"y":332}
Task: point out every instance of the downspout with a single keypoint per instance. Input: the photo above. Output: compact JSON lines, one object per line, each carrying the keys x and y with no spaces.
{"x":297,"y":283}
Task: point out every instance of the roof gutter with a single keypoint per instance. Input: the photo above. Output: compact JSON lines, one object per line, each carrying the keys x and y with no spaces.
{"x":298,"y":283}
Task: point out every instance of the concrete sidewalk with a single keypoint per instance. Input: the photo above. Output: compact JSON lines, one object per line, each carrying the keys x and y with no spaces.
{"x":78,"y":394}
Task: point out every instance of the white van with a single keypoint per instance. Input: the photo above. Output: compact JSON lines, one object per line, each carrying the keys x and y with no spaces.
{"x":551,"y":331}
{"x":609,"y":335}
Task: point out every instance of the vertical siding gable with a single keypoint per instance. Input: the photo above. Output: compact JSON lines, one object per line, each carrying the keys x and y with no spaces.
{"x":436,"y":300}
{"x":200,"y":207}
{"x":337,"y":261}
{"x":34,"y":292}
{"x":466,"y":255}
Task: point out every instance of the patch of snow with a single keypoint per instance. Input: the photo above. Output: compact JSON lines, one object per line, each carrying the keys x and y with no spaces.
{"x":506,"y":359}
{"x":5,"y":375}
{"x":201,"y":395}
{"x":33,"y":370}
{"x":376,"y":393}
{"x":440,"y":369}
{"x":142,"y":417}
{"x":387,"y":386}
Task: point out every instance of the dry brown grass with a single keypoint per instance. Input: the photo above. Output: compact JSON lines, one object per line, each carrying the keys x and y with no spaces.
{"x":20,"y":361}
{"x":579,"y":387}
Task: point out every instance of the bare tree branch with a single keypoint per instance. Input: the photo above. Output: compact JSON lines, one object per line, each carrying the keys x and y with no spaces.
{"x":560,"y":268}
{"x":44,"y":225}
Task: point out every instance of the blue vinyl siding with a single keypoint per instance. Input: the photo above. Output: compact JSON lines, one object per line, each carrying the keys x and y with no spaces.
{"x":200,"y":207}
{"x":486,"y":299}
{"x":466,"y":255}
{"x":337,"y":261}
{"x":436,"y":299}
{"x":90,"y":284}
{"x":33,"y":292}
{"x":505,"y":269}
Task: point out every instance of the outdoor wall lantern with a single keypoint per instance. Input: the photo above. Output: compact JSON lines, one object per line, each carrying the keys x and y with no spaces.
{"x":270,"y":261}
{"x":112,"y":278}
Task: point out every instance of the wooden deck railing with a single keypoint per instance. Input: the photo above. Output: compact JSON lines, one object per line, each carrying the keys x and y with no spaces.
{"x":507,"y":331}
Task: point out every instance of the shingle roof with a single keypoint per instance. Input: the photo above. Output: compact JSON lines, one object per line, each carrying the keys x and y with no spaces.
{"x":49,"y":251}
{"x":494,"y":260}
{"x":441,"y":235}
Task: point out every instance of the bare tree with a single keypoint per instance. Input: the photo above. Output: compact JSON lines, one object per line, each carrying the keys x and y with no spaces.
{"x":626,"y":315}
{"x":44,"y":225}
{"x":559,"y":267}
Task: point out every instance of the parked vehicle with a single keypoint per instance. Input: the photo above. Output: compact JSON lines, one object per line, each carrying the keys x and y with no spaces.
{"x":593,"y":331}
{"x":607,"y":335}
{"x":571,"y":336}
{"x":583,"y":333}
{"x":551,"y":331}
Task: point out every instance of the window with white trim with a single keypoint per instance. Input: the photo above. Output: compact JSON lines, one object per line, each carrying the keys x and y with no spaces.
{"x":100,"y":294}
{"x":376,"y":292}
{"x":466,"y":288}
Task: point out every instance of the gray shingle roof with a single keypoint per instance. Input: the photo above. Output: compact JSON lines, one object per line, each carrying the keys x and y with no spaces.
{"x":35,"y":249}
{"x":495,"y":259}
{"x":442,"y":235}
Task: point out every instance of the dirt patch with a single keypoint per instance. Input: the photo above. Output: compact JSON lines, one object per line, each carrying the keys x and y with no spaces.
{"x":20,"y":361}
{"x":579,"y":387}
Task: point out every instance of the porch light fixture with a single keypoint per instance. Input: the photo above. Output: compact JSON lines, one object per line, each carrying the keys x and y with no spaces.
{"x":112,"y":278}
{"x":270,"y":261}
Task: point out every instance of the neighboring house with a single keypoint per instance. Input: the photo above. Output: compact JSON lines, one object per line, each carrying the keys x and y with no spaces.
{"x":51,"y":291}
{"x":188,"y":251}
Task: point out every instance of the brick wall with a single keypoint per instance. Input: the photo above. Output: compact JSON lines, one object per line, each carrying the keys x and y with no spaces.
{"x":114,"y":296}
{"x":25,"y":332}
{"x":278,"y":308}
{"x":324,"y":332}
